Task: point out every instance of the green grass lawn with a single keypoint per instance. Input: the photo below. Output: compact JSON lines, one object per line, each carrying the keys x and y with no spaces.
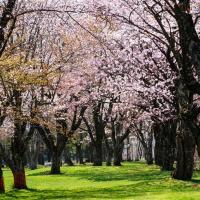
{"x":131,"y":181}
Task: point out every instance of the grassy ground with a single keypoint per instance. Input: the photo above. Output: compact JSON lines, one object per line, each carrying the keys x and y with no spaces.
{"x":131,"y":181}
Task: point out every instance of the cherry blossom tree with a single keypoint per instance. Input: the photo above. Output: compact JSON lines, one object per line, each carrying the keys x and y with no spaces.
{"x":172,"y":27}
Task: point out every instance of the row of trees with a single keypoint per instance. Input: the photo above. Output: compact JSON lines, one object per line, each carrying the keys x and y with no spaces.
{"x":105,"y":68}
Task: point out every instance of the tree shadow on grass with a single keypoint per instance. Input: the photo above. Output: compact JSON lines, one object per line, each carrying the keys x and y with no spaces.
{"x":140,"y":182}
{"x":101,"y":175}
{"x":132,"y":191}
{"x":195,"y":181}
{"x":121,"y":192}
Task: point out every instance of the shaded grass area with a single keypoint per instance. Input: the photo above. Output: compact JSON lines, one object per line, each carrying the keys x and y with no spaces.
{"x":131,"y":181}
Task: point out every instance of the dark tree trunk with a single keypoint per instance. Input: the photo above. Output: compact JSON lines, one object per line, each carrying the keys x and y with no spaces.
{"x":109,"y":157}
{"x":158,"y":150}
{"x":185,"y":132}
{"x":99,"y":131}
{"x":2,"y":187}
{"x":19,"y":179}
{"x":55,"y":150}
{"x":89,"y":151}
{"x":128,"y":153}
{"x":97,"y":134}
{"x":148,"y":155}
{"x":49,"y":155}
{"x":19,"y":173}
{"x":56,"y":163}
{"x":41,"y":158}
{"x":164,"y":135}
{"x":69,"y":161}
{"x":7,"y":15}
{"x":185,"y":151}
{"x":109,"y":151}
{"x":148,"y":150}
{"x":138,"y":153}
{"x":18,"y":149}
{"x":67,"y":157}
{"x":79,"y":153}
{"x":169,"y":135}
{"x":98,"y":153}
{"x":109,"y":154}
{"x":104,"y":156}
{"x":33,"y":164}
{"x":117,"y":153}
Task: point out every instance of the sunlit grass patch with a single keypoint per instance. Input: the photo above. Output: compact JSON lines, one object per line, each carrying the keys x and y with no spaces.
{"x":131,"y":181}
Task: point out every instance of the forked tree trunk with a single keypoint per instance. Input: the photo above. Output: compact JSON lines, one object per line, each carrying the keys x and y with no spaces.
{"x":55,"y":150}
{"x":185,"y":151}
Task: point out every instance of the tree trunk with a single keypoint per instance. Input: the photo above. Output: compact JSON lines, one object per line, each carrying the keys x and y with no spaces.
{"x":185,"y":132}
{"x":67,"y":157}
{"x":56,"y":163}
{"x":91,"y":153}
{"x":148,"y":155}
{"x":98,"y":154}
{"x":138,"y":153}
{"x":109,"y":158}
{"x":148,"y":151}
{"x":32,"y":158}
{"x":69,"y":161}
{"x":18,"y":171}
{"x":169,"y":134}
{"x":18,"y":148}
{"x":41,"y":158}
{"x":109,"y":155}
{"x":117,"y":153}
{"x":19,"y":179}
{"x":2,"y":187}
{"x":33,"y":150}
{"x":79,"y":154}
{"x":158,"y":149}
{"x":185,"y":151}
{"x":109,"y":151}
